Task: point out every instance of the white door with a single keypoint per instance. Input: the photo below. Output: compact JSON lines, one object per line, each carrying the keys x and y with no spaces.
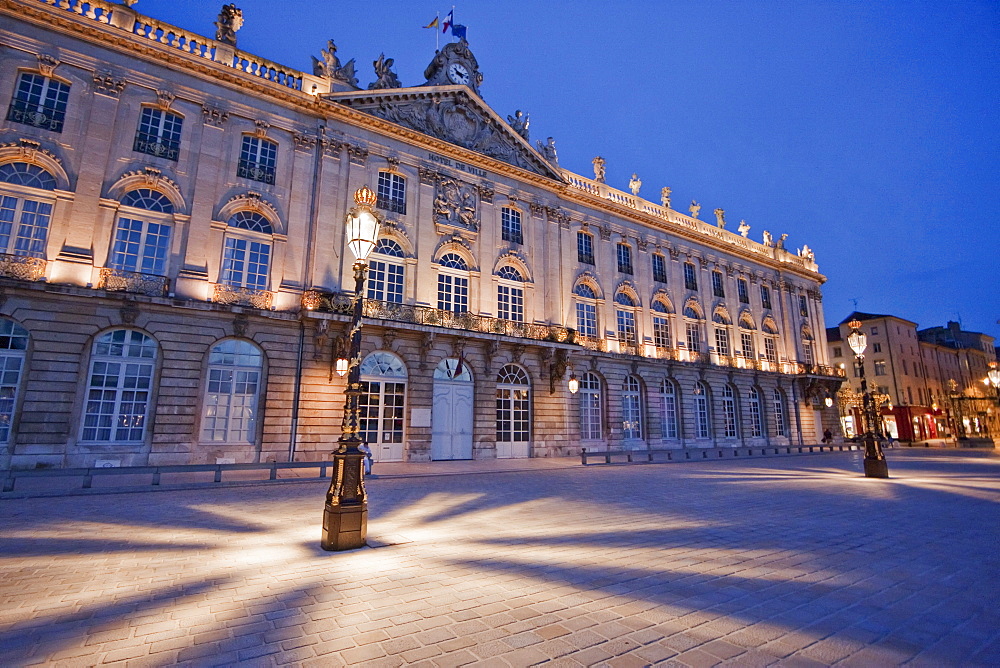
{"x":451,"y":421}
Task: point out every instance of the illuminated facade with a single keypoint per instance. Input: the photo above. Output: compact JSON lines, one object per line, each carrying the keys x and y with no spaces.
{"x":173,"y":282}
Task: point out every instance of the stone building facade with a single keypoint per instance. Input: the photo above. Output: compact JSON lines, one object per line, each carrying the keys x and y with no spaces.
{"x":175,"y":282}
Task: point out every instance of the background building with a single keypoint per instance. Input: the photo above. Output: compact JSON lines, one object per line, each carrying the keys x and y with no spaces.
{"x":174,"y":274}
{"x":931,"y":379}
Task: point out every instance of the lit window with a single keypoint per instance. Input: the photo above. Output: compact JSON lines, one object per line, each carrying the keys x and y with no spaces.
{"x":159,"y":134}
{"x":39,"y":101}
{"x":232,"y":391}
{"x":119,"y":387}
{"x":391,"y":192}
{"x":258,"y":158}
{"x":510,"y":225}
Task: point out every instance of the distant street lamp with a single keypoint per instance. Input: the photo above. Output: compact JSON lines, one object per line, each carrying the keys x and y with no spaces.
{"x":994,"y":375}
{"x":345,"y":515}
{"x":875,"y":464}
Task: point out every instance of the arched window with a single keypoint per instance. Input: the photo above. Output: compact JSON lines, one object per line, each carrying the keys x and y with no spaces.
{"x":671,"y":424}
{"x":385,"y":272}
{"x":702,"y":416}
{"x":142,"y":233}
{"x":747,"y":327}
{"x":513,"y":412}
{"x":586,"y":310}
{"x":246,"y":259}
{"x":692,"y":326}
{"x":780,"y":419}
{"x":730,"y":423}
{"x":625,"y":316}
{"x":39,"y":101}
{"x":258,"y":159}
{"x":13,"y":347}
{"x":807,"y":345}
{"x":756,"y":415}
{"x":381,"y":405}
{"x":232,"y":392}
{"x":510,"y":295}
{"x":453,"y":283}
{"x":119,"y":387}
{"x":591,"y":418}
{"x":391,"y":192}
{"x":770,"y":340}
{"x":632,"y":409}
{"x":661,"y":325}
{"x":24,"y":215}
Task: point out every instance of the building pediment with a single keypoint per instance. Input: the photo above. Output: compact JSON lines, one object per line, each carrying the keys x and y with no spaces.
{"x":453,"y":114}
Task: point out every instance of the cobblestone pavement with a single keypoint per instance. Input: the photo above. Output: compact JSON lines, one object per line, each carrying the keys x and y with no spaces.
{"x":796,"y":561}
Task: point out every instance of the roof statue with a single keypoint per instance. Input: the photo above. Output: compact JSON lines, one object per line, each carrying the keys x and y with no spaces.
{"x":665,"y":197}
{"x":386,"y":77}
{"x":519,"y":123}
{"x":634,"y":184}
{"x":768,"y":241}
{"x":744,"y":228}
{"x":599,"y":169}
{"x":807,"y":253}
{"x":781,"y":242}
{"x":695,"y":209}
{"x":331,"y":68}
{"x":230,"y":20}
{"x":720,"y":218}
{"x":548,"y":149}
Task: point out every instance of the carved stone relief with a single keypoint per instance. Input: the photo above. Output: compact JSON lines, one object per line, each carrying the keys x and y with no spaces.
{"x":106,"y":83}
{"x":455,"y":204}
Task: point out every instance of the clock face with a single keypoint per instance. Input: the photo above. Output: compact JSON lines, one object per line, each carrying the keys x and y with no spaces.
{"x":458,"y":74}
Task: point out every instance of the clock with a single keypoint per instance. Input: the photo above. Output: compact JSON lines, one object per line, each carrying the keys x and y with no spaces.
{"x":458,"y":74}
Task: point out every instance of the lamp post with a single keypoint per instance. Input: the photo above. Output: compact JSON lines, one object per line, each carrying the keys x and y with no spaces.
{"x":875,"y":464}
{"x":345,"y":515}
{"x":994,"y":375}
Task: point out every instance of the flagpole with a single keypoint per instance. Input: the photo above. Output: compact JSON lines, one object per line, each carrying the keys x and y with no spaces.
{"x":437,"y":35}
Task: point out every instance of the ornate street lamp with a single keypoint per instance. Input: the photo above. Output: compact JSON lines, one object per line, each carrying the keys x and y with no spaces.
{"x":574,"y":384}
{"x":994,"y":375}
{"x":345,"y":515}
{"x":875,"y":464}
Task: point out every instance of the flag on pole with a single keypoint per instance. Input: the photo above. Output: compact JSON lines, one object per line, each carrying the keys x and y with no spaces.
{"x":433,"y":24}
{"x":448,"y":20}
{"x":458,"y":31}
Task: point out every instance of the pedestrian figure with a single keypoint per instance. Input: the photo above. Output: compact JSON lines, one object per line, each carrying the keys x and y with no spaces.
{"x":368,"y":457}
{"x":827,"y":436}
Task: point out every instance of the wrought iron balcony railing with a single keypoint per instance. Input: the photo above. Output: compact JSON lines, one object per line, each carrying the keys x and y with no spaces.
{"x":38,"y":115}
{"x":256,"y":172}
{"x":153,"y":145}
{"x":22,"y":267}
{"x":229,"y":294}
{"x":119,"y":280}
{"x":393,"y":205}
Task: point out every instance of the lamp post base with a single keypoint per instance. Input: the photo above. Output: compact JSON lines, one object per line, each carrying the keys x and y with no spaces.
{"x":344,"y":527}
{"x":876,"y":468}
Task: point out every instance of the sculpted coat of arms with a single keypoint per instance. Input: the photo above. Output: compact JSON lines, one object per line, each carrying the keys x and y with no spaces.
{"x":455,"y":204}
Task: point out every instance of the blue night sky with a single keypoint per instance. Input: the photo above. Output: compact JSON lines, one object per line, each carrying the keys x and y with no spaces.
{"x":868,"y":130}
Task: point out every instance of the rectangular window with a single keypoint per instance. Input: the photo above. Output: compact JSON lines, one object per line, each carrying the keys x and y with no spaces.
{"x":905,"y":370}
{"x":245,"y":263}
{"x":690,"y":277}
{"x":585,"y":248}
{"x":626,"y":327}
{"x":718,"y":285}
{"x":159,"y":134}
{"x":701,"y":416}
{"x":453,"y":293}
{"x":669,"y":414}
{"x":391,"y":192}
{"x":140,"y":247}
{"x":693,"y":337}
{"x":779,"y":414}
{"x":743,"y":290}
{"x":659,"y":268}
{"x":803,"y":306}
{"x":31,"y":219}
{"x":39,"y":101}
{"x":721,"y":342}
{"x":837,"y":352}
{"x":755,"y":416}
{"x":879,"y":367}
{"x":807,"y":352}
{"x":510,"y":225}
{"x":510,"y":303}
{"x":385,"y":281}
{"x":661,"y":332}
{"x":765,"y":296}
{"x":746,"y":341}
{"x":729,"y":417}
{"x":876,"y":347}
{"x":624,"y":259}
{"x":258,"y":158}
{"x":586,"y":319}
{"x":874,"y":331}
{"x":770,"y":350}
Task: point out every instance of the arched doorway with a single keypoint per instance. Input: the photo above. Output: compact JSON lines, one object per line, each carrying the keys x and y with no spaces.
{"x":381,"y":405}
{"x":513,"y":412}
{"x":451,"y":420}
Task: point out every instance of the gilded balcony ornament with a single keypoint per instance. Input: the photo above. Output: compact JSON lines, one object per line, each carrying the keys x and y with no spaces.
{"x":118,"y":280}
{"x":240,"y":296}
{"x":22,"y":267}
